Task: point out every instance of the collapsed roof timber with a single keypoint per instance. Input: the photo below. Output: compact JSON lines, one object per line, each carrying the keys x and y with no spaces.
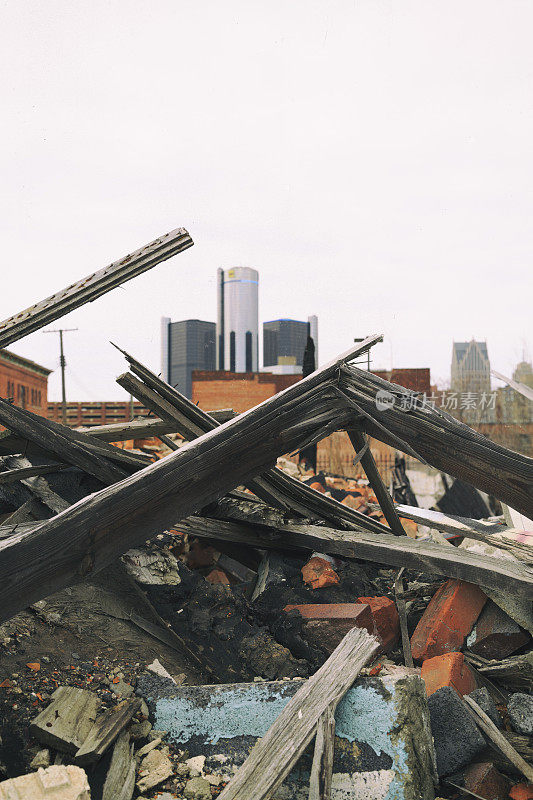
{"x":113,"y":500}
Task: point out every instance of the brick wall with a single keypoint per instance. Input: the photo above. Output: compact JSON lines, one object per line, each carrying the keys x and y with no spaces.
{"x":239,"y":391}
{"x":414,"y":378}
{"x":96,"y":413}
{"x":24,"y":381}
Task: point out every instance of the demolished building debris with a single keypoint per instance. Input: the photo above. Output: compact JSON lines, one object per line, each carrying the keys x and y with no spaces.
{"x":319,"y":639}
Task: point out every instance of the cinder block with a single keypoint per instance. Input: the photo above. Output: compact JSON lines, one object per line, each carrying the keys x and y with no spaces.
{"x":450,"y":669}
{"x":383,"y":748}
{"x":520,"y":710}
{"x":456,"y":736}
{"x":487,"y":704}
{"x":522,"y":791}
{"x":495,"y":635}
{"x":326,"y":624}
{"x":484,"y":780}
{"x":447,"y":620}
{"x":57,"y":782}
{"x":386,"y":620}
{"x":318,"y":572}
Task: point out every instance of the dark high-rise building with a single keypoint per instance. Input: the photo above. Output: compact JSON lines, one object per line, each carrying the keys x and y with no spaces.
{"x":185,"y":346}
{"x":284,"y":342}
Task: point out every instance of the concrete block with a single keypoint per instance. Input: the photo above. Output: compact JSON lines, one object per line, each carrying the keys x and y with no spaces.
{"x":318,"y":572}
{"x":495,"y":635}
{"x":386,"y":620}
{"x":449,"y":669}
{"x":456,"y":736}
{"x":57,"y":782}
{"x":520,"y":710}
{"x":487,"y":704}
{"x":383,"y":748}
{"x":447,"y":620}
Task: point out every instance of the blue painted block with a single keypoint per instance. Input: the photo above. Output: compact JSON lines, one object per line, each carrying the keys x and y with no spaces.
{"x":383,"y":745}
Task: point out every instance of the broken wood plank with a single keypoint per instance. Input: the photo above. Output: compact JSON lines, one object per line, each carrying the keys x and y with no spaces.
{"x":56,"y":439}
{"x":449,"y":523}
{"x":96,"y":530}
{"x":88,"y":289}
{"x":143,"y":428}
{"x":273,"y":756}
{"x":360,"y":442}
{"x":274,"y":486}
{"x":23,"y":514}
{"x":489,"y":729}
{"x":67,"y":721}
{"x":322,"y":767}
{"x":105,"y":730}
{"x":399,"y":590}
{"x":431,"y":434}
{"x":120,"y":779}
{"x":424,"y":555}
{"x":13,"y":475}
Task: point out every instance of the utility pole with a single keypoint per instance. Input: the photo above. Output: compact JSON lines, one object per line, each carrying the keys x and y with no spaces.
{"x":62,"y":364}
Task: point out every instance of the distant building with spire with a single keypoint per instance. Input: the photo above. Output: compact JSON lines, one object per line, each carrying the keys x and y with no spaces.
{"x":470,"y":370}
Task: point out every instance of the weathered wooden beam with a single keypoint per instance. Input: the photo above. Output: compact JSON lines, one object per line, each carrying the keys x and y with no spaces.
{"x":143,"y":428}
{"x":276,"y":753}
{"x":501,"y":574}
{"x":107,"y":727}
{"x":13,"y":475}
{"x":414,"y":426}
{"x":359,"y":443}
{"x":58,"y":441}
{"x":322,"y":767}
{"x":449,"y":523}
{"x":274,"y":486}
{"x":88,"y":289}
{"x":96,"y":530}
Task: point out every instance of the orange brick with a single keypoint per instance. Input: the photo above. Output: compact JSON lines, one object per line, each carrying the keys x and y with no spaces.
{"x":448,"y":619}
{"x":217,"y":576}
{"x":318,"y":573}
{"x":317,"y":486}
{"x":484,"y":780}
{"x":386,"y":620}
{"x":522,"y":791}
{"x":326,"y":624}
{"x":201,"y":555}
{"x":449,"y":669}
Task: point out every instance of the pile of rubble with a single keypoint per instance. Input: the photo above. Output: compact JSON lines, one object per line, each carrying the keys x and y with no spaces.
{"x":322,"y":637}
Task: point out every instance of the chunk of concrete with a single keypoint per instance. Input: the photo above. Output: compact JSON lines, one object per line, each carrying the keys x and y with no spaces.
{"x":455,"y":734}
{"x":487,"y":704}
{"x":197,"y":789}
{"x":57,"y":782}
{"x":383,"y":746}
{"x":520,"y":710}
{"x":155,"y":768}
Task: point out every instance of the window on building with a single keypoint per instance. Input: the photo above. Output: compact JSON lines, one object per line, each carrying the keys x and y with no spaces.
{"x":249,"y":351}
{"x":232,"y":351}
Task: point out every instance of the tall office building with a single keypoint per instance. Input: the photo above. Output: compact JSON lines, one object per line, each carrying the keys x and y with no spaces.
{"x":185,"y":346}
{"x":470,"y":370}
{"x":284,"y":342}
{"x":237,"y":320}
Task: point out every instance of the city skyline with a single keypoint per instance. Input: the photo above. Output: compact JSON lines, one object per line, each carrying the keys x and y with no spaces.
{"x":368,"y":176}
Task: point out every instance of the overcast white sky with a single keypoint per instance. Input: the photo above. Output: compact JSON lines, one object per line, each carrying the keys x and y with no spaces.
{"x":373,"y":160}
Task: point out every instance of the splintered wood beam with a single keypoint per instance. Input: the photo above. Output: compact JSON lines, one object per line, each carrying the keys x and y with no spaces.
{"x":401,"y":419}
{"x":359,"y":442}
{"x":426,"y":556}
{"x":96,"y":530}
{"x":322,"y":767}
{"x":38,"y":430}
{"x":143,"y":428}
{"x":274,"y":486}
{"x":88,"y":289}
{"x":276,"y":753}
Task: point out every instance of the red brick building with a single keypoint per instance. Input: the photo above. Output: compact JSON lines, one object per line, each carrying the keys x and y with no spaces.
{"x":415,"y":378}
{"x":24,"y":381}
{"x":237,"y":390}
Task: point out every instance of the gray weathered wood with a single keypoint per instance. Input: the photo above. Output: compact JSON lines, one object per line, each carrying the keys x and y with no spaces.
{"x":67,"y":721}
{"x":449,"y":523}
{"x":427,"y":556}
{"x":359,"y":441}
{"x":105,"y":730}
{"x":38,"y":430}
{"x":489,"y":729}
{"x":274,"y":486}
{"x":435,"y":436}
{"x":23,"y":514}
{"x":120,"y":780}
{"x":399,"y":588}
{"x":88,"y":289}
{"x":322,"y":767}
{"x":273,"y":756}
{"x":13,"y":475}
